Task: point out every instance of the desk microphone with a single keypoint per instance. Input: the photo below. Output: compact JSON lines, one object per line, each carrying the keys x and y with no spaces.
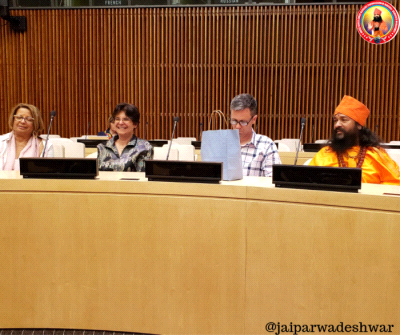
{"x":145,"y":131}
{"x":303,"y":122}
{"x":87,"y":130}
{"x":176,"y":120}
{"x":52,"y":115}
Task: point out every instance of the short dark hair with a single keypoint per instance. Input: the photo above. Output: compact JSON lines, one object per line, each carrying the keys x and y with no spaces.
{"x":130,"y":110}
{"x":243,"y":101}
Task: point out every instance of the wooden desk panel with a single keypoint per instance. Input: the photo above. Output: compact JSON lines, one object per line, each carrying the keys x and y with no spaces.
{"x":321,"y":265}
{"x":152,"y":264}
{"x":193,"y":258}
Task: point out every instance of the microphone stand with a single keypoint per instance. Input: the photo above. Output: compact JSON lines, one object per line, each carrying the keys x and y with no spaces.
{"x":176,"y":120}
{"x":87,"y":131}
{"x":303,"y":122}
{"x":201,"y":131}
{"x":53,"y":114}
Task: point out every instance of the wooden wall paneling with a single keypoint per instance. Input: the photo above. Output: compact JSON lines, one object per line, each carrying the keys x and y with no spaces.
{"x":149,"y":48}
{"x":269,"y":78}
{"x":297,"y":37}
{"x":394,"y":105}
{"x":332,"y":82}
{"x":395,"y":61}
{"x":168,"y":70}
{"x":221,"y":52}
{"x":297,"y":61}
{"x":312,"y":117}
{"x":292,"y":41}
{"x":389,"y":93}
{"x":194,"y":49}
{"x":273,"y":77}
{"x":159,"y":66}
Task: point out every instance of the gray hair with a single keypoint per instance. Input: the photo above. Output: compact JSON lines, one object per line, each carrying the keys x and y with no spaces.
{"x":243,"y":101}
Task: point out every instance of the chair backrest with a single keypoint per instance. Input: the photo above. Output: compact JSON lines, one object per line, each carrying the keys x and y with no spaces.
{"x":94,"y":137}
{"x":92,"y":155}
{"x":160,"y":153}
{"x":186,"y":152}
{"x":44,"y":136}
{"x":184,"y":140}
{"x":282,"y":146}
{"x":307,"y":162}
{"x":72,"y":149}
{"x":394,"y":154}
{"x":292,"y":143}
{"x":59,"y":150}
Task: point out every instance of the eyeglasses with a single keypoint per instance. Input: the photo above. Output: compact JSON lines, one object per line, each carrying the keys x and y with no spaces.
{"x":125,"y":120}
{"x":26,"y":118}
{"x":242,"y":123}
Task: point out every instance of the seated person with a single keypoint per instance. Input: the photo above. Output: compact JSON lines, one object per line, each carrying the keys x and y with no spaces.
{"x":25,"y":122}
{"x":259,"y":152}
{"x":124,"y":151}
{"x":354,"y":145}
{"x":110,"y":132}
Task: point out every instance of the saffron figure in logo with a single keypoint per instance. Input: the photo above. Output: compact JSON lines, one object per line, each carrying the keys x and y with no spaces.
{"x":377,"y":26}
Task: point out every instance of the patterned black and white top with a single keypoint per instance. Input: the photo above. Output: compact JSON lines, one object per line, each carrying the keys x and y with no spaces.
{"x":132,"y":157}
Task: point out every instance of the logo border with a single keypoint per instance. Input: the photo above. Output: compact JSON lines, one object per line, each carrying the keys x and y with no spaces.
{"x":367,"y":37}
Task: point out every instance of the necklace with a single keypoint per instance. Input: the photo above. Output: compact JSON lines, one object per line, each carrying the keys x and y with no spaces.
{"x":360,"y":156}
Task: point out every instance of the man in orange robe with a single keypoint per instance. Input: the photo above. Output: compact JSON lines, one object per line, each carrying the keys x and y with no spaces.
{"x":354,"y":145}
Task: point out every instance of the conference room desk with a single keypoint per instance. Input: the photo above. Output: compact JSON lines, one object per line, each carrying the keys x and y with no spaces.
{"x":180,"y":258}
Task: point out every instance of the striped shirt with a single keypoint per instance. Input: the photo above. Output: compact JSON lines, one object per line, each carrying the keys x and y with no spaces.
{"x":259,"y":155}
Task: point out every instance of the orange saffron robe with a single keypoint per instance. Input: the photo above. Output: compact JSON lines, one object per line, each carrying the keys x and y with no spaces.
{"x":378,"y":167}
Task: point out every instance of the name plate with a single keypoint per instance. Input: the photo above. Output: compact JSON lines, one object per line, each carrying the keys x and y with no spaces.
{"x":183,"y":171}
{"x":59,"y":168}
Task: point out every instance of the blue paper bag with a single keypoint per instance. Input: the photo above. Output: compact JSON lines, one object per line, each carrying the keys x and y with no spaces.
{"x":223,"y":146}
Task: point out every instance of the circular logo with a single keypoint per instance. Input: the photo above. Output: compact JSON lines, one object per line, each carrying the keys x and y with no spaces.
{"x":378,"y":22}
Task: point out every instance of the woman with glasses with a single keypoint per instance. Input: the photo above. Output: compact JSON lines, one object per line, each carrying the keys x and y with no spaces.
{"x":124,"y":151}
{"x":26,"y":124}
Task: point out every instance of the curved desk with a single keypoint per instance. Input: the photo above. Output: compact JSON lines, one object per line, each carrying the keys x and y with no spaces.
{"x":175,"y":258}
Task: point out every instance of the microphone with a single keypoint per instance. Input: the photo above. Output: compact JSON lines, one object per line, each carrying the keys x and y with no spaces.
{"x":87,"y":130}
{"x":303,"y":123}
{"x":376,"y":128}
{"x":176,"y":120}
{"x":312,"y":134}
{"x":52,"y":115}
{"x":145,"y":131}
{"x":201,"y":130}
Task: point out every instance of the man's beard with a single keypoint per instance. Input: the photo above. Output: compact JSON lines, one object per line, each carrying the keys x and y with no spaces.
{"x":350,"y":139}
{"x":378,"y":19}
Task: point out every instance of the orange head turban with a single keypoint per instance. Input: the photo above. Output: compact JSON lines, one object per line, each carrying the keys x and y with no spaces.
{"x":353,"y":109}
{"x":377,"y":11}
